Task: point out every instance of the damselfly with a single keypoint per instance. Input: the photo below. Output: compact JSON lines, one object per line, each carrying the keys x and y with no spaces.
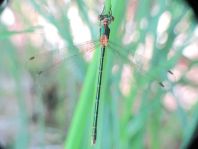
{"x":104,"y":42}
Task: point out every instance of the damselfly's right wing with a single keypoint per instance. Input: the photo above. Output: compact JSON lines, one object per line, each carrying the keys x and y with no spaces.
{"x":140,"y":66}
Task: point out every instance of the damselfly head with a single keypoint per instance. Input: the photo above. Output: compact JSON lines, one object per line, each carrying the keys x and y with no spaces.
{"x":106,"y":18}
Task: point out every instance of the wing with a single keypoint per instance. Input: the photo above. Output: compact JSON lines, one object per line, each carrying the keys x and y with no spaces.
{"x":139,"y":65}
{"x":46,"y":61}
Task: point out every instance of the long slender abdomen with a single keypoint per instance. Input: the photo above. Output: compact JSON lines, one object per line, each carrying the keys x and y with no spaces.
{"x":95,"y":122}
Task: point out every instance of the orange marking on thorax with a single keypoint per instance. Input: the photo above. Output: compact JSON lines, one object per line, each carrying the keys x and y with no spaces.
{"x":103,"y":40}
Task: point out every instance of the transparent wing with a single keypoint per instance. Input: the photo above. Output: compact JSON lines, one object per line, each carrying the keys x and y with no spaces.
{"x":140,"y":66}
{"x":48,"y":60}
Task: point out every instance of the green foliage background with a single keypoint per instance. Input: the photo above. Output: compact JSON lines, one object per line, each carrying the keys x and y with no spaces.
{"x":122,"y":124}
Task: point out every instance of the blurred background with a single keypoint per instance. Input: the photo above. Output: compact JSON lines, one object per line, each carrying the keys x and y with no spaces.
{"x":48,"y":74}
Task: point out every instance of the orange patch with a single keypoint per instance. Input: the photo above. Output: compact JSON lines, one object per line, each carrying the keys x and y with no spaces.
{"x":104,"y":40}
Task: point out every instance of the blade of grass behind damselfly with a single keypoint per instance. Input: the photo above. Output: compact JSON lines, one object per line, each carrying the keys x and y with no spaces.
{"x":72,"y":142}
{"x":83,"y":110}
{"x":5,"y":33}
{"x":118,"y":10}
{"x":85,"y":17}
{"x":14,"y":72}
